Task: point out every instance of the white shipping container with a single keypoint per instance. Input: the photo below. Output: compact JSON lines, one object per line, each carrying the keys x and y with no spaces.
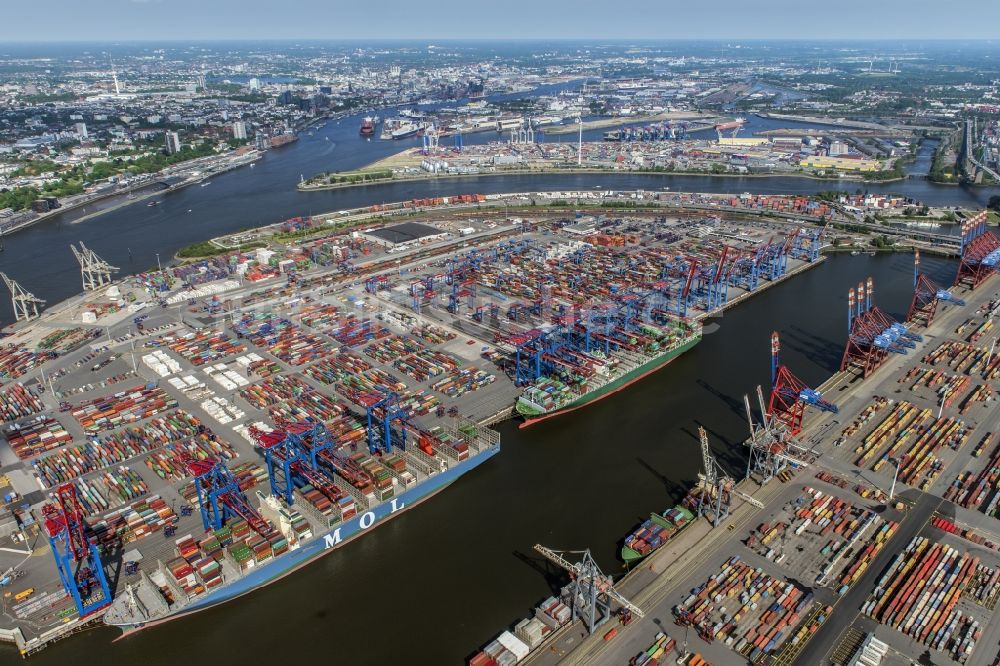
{"x":514,"y":644}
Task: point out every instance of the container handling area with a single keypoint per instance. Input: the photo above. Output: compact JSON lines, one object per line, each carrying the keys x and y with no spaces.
{"x":182,"y":436}
{"x":864,"y":530}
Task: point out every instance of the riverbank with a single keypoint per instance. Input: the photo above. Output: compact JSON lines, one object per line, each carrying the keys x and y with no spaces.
{"x":427,"y":176}
{"x":227,"y":163}
{"x":618,"y":121}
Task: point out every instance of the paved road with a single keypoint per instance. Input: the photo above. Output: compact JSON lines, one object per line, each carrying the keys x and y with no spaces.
{"x":827,"y":637}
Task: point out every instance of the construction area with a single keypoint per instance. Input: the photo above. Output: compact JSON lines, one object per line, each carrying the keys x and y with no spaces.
{"x":864,"y":528}
{"x":183,"y":435}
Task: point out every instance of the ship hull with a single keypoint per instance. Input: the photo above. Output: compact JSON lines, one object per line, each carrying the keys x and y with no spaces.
{"x":630,"y":555}
{"x":614,"y":386}
{"x":318,"y":546}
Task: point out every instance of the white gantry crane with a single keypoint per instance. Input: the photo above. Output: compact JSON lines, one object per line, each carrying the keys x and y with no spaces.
{"x":717,"y":487}
{"x":26,"y":304}
{"x":592,"y":590}
{"x":95,"y":271}
{"x":770,"y":444}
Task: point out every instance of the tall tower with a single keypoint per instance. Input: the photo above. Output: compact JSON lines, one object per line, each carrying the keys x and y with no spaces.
{"x":114,"y":76}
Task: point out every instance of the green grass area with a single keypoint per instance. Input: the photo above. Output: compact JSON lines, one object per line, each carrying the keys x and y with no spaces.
{"x":210,"y":249}
{"x":18,"y":198}
{"x":351,"y":177}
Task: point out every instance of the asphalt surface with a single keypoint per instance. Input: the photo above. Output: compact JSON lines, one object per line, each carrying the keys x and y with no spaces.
{"x":847,"y":609}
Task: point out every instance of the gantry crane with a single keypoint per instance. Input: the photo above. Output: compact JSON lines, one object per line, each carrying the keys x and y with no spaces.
{"x":790,"y":395}
{"x":78,"y":560}
{"x":716,"y":486}
{"x":770,"y":443}
{"x":926,"y":296}
{"x":95,"y":271}
{"x":980,"y":252}
{"x":872,"y":334}
{"x":220,"y":497}
{"x":592,"y":590}
{"x":26,"y":305}
{"x":286,"y":451}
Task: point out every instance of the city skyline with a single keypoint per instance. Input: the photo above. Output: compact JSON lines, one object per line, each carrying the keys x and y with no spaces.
{"x":150,"y":20}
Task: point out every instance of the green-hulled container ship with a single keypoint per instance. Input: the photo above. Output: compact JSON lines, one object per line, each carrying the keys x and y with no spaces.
{"x":654,"y":532}
{"x":655,"y":347}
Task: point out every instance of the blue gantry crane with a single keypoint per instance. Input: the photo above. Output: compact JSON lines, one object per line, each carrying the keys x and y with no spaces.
{"x":220,"y":497}
{"x":77,"y":559}
{"x":292,"y":453}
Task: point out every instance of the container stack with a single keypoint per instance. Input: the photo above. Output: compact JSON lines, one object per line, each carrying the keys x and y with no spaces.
{"x":168,"y":465}
{"x":764,"y":609}
{"x":36,"y":437}
{"x":919,"y":462}
{"x":463,"y":381}
{"x":135,"y":521}
{"x":63,"y":341}
{"x":125,"y":407}
{"x":648,"y":537}
{"x":108,"y":489}
{"x":920,"y":592}
{"x":661,"y":649}
{"x":15,"y":360}
{"x":865,"y":555}
{"x":432,"y":334}
{"x":221,"y":410}
{"x":290,"y":398}
{"x":382,"y":477}
{"x":226,"y":377}
{"x":16,"y":402}
{"x":161,"y":363}
{"x":204,"y":345}
{"x":978,"y":491}
{"x":117,"y":447}
{"x":285,"y":340}
{"x":550,"y":615}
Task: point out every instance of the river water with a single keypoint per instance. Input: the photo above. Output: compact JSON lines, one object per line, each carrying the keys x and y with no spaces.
{"x":133,"y":236}
{"x":441,"y":580}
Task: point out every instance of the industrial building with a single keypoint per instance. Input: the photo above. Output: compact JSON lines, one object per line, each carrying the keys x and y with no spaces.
{"x":403,"y":234}
{"x":840,"y":163}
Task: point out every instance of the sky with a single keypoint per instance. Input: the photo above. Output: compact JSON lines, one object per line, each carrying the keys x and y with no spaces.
{"x":99,"y":20}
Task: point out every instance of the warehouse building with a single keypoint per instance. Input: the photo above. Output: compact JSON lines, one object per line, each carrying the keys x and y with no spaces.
{"x":400,"y":235}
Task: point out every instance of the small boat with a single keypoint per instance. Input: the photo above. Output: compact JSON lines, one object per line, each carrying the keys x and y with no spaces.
{"x":153,"y":203}
{"x":206,"y":184}
{"x":189,"y":210}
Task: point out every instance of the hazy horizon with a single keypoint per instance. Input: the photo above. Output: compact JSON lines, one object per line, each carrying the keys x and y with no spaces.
{"x":563,"y":20}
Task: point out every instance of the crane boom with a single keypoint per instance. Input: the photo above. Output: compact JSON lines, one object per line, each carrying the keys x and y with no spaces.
{"x":587,"y":569}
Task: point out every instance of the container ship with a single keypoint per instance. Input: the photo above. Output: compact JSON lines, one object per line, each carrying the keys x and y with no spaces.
{"x":235,"y":560}
{"x":652,"y":348}
{"x":368,"y":127}
{"x":654,"y":532}
{"x":406,"y":131}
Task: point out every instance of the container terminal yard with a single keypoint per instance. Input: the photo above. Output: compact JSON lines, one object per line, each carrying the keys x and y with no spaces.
{"x":180,"y":437}
{"x":864,"y":530}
